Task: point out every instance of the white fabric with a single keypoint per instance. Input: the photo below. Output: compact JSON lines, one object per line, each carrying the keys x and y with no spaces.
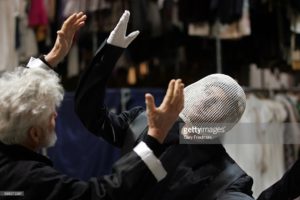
{"x":199,"y":29}
{"x":255,"y":76}
{"x":151,"y":161}
{"x":154,"y":19}
{"x":295,"y":23}
{"x":37,"y":63}
{"x":234,"y":30}
{"x":8,"y":53}
{"x":244,"y":23}
{"x":273,"y":142}
{"x":216,"y":98}
{"x":118,"y":36}
{"x":248,"y":156}
{"x":265,"y":78}
{"x":72,"y":6}
{"x":294,"y":118}
{"x":262,"y":158}
{"x":28,"y":44}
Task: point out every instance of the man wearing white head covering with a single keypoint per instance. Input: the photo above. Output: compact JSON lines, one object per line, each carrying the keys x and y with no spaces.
{"x":201,"y":171}
{"x":215,"y":99}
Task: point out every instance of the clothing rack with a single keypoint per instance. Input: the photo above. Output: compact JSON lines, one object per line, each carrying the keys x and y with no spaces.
{"x":279,"y":90}
{"x":270,"y":92}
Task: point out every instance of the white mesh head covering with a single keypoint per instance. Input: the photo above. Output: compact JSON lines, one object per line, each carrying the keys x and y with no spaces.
{"x":216,"y":98}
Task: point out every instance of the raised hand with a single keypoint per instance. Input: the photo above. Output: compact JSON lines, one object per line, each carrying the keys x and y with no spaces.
{"x":161,"y":119}
{"x":64,"y":38}
{"x":118,"y":36}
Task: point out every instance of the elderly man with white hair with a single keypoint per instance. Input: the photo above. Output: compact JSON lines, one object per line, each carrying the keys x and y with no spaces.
{"x":28,"y":101}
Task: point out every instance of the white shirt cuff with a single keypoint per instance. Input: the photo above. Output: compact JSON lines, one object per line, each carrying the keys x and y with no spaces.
{"x":37,"y":63}
{"x":151,"y":161}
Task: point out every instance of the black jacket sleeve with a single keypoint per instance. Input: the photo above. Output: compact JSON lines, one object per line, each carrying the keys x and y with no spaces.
{"x":90,"y":94}
{"x":288,"y":187}
{"x":129,"y":179}
{"x":132,"y":176}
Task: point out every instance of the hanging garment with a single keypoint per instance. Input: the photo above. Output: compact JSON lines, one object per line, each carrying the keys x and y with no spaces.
{"x":294,"y":100}
{"x":37,"y":13}
{"x":292,"y":130}
{"x":272,"y":130}
{"x":248,"y":143}
{"x":236,"y":29}
{"x":96,"y":5}
{"x":269,"y":26}
{"x":154,"y":18}
{"x":244,"y":22}
{"x":227,"y":11}
{"x":255,"y":77}
{"x":226,"y":31}
{"x":138,"y":15}
{"x":8,"y":53}
{"x":69,"y":7}
{"x":295,"y":23}
{"x":199,"y":29}
{"x":263,"y":124}
{"x":28,"y":44}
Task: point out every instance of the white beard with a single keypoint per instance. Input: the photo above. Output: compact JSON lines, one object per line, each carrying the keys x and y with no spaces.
{"x":50,"y":139}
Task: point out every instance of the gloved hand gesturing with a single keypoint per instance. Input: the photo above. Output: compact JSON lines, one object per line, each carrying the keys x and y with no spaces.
{"x":118,"y":36}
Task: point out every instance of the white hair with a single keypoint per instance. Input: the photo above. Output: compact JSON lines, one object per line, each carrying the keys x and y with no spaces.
{"x":28,"y":96}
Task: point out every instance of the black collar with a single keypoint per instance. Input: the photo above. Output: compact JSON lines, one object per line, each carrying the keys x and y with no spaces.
{"x":22,"y":153}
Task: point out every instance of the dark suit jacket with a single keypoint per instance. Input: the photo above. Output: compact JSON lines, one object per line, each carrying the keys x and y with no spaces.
{"x":32,"y":177}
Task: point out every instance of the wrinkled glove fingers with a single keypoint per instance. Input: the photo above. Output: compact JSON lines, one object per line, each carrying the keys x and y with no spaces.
{"x":122,"y":24}
{"x":133,"y":35}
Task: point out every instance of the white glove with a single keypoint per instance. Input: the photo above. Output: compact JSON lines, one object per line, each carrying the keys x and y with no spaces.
{"x":118,"y":36}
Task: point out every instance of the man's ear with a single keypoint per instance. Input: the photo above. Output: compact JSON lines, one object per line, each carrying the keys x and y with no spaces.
{"x":34,"y":135}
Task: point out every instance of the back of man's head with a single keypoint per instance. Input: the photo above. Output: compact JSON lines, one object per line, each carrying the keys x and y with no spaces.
{"x":28,"y":96}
